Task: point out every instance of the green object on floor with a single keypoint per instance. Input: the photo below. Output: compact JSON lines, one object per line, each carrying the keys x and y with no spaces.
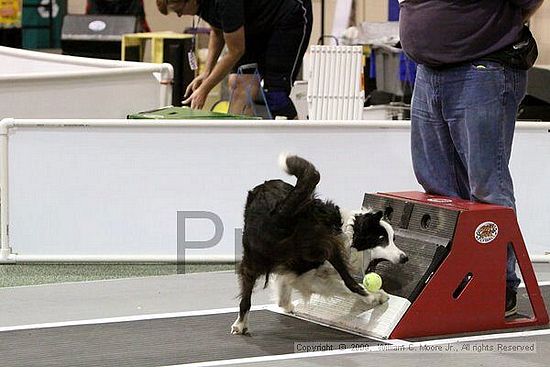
{"x":15,"y":275}
{"x":186,"y":113}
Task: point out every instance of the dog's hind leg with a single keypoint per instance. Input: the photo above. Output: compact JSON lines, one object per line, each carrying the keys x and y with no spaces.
{"x":338,"y":262}
{"x":284,"y":293}
{"x":247,"y":280}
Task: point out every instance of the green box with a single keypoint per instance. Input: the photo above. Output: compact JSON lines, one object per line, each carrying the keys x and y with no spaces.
{"x":186,"y":113}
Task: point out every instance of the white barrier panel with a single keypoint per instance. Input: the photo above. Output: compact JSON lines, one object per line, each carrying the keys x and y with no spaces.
{"x":112,"y":188}
{"x":40,"y":85}
{"x":335,"y":90}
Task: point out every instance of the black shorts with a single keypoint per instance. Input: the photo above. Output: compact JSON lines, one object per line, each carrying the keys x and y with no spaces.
{"x":279,"y":53}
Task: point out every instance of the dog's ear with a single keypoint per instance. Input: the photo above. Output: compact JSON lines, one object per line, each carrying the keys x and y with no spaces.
{"x":359,"y":222}
{"x":364,"y":222}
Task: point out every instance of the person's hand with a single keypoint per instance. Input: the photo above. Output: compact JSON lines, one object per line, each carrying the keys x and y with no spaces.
{"x":195,"y":84}
{"x":197,"y":99}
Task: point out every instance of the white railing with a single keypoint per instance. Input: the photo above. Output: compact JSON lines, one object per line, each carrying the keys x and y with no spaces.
{"x":128,"y":178}
{"x":41,"y":85}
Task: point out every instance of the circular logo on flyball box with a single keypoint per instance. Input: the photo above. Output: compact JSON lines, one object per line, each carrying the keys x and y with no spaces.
{"x":486,"y":232}
{"x":97,"y":26}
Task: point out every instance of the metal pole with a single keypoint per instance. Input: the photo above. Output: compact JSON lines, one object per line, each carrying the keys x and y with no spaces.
{"x":50,"y":21}
{"x":5,"y":249}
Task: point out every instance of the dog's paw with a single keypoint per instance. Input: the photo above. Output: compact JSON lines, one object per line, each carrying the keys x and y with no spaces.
{"x":384,"y":297}
{"x":358,"y":288}
{"x":375,"y":298}
{"x":378,"y":298}
{"x":239,"y":328}
{"x":288,"y":307}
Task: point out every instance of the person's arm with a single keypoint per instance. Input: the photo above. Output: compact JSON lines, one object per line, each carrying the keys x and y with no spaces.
{"x":215,"y":47}
{"x":235,"y":50}
{"x":235,"y":42}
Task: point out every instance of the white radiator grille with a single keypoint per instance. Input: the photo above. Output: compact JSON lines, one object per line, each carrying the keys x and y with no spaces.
{"x":335,"y":90}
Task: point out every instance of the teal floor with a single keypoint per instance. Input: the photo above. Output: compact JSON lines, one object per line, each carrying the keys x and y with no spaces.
{"x":14,"y":275}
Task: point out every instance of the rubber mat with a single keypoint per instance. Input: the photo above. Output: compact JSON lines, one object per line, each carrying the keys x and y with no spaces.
{"x":161,"y":342}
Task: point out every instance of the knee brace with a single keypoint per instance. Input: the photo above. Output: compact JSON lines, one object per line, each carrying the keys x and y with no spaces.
{"x":280,"y":104}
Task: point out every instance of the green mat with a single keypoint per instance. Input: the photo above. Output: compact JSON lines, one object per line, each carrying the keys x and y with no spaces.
{"x":186,"y":113}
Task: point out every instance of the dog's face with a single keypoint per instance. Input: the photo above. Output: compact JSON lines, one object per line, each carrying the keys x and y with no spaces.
{"x":373,"y":234}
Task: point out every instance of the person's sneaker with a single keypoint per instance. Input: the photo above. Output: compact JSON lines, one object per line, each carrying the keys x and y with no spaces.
{"x":511,"y":302}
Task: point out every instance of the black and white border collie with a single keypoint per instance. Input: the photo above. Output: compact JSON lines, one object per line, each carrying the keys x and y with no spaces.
{"x":306,"y":242}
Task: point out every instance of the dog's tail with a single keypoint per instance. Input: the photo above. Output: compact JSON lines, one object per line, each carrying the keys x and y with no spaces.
{"x":308,"y":178}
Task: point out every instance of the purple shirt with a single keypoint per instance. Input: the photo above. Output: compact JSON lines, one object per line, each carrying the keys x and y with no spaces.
{"x":439,"y":32}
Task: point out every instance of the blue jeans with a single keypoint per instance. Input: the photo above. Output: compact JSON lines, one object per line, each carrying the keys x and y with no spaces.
{"x":462,"y":122}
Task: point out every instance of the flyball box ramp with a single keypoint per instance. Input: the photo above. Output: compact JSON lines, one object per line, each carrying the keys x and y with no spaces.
{"x":455,"y":279}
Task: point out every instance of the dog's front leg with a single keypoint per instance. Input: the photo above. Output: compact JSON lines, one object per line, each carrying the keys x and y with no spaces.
{"x":341,"y":267}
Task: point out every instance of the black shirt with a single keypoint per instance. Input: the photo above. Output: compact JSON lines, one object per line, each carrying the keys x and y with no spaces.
{"x":439,"y":32}
{"x":259,"y":16}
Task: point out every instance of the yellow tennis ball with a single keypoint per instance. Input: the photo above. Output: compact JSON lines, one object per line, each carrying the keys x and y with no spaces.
{"x":372,"y":282}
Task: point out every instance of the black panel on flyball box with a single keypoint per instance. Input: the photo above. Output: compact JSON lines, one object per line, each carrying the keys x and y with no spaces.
{"x":96,"y":36}
{"x":423,"y":232}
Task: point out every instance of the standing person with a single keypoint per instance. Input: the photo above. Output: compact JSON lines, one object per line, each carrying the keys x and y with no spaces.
{"x":272,"y":33}
{"x":471,"y":77}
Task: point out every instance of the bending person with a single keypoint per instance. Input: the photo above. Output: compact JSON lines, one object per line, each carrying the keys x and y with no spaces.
{"x":272,"y":34}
